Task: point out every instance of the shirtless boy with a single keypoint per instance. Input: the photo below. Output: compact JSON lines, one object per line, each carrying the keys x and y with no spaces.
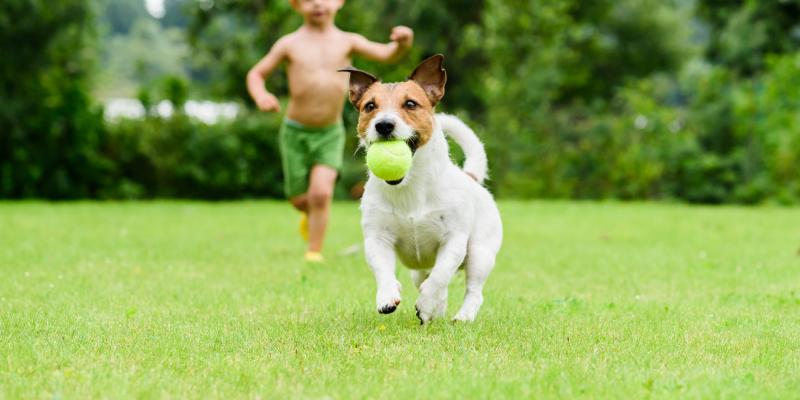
{"x":312,"y":135}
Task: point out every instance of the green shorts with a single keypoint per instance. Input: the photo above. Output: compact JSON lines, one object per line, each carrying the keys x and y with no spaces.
{"x":303,"y":147}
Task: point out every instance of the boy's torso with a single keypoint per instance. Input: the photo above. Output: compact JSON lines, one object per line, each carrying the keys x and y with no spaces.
{"x":316,"y":90}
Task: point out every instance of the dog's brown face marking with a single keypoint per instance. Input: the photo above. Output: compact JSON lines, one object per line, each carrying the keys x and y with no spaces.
{"x":412,"y":101}
{"x":407,"y":99}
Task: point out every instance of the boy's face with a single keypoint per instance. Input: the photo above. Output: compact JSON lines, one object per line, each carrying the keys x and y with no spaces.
{"x":317,"y":11}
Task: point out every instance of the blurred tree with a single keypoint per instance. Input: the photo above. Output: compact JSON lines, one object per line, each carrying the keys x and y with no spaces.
{"x":141,"y":57}
{"x":49,"y":130}
{"x":177,"y":13}
{"x":743,"y":32}
{"x":573,"y":99}
{"x":518,"y":69}
{"x":555,"y":64}
{"x":120,"y":15}
{"x":137,"y":49}
{"x":231,"y":36}
{"x":176,"y":90}
{"x":450,"y":27}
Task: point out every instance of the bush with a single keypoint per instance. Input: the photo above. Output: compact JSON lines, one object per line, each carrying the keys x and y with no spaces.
{"x":767,"y":122}
{"x":181,"y":157}
{"x":49,"y":129}
{"x":631,"y":99}
{"x":708,"y":137}
{"x":185,"y":158}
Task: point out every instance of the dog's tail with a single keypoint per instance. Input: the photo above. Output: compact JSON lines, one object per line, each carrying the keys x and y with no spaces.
{"x":475,"y":156}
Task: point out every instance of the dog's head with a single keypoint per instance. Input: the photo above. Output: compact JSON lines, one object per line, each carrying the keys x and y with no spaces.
{"x":402,"y":110}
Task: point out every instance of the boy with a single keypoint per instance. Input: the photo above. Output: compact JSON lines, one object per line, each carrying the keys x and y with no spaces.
{"x":312,"y":135}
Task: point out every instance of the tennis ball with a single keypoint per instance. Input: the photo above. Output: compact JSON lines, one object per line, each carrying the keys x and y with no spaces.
{"x":389,"y":160}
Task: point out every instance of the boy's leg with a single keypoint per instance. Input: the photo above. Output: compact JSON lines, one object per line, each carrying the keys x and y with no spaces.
{"x":300,"y":202}
{"x":294,"y":159}
{"x":326,"y":150}
{"x":319,"y":196}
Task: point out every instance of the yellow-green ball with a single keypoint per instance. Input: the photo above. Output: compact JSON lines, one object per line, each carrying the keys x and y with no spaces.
{"x":389,"y":160}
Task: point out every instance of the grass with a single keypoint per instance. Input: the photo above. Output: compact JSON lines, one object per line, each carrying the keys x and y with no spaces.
{"x":184,"y":299}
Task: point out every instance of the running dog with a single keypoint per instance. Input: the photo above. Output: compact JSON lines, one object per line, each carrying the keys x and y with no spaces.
{"x":438,"y":217}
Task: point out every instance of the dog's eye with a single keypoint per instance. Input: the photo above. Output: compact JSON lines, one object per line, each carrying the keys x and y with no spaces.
{"x":410,"y":104}
{"x":369,"y":106}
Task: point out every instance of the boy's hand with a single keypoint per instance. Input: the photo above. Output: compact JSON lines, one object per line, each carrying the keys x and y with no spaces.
{"x":269,"y":103}
{"x":403,"y":35}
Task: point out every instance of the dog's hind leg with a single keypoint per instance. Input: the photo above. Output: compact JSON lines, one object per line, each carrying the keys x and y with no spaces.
{"x":479,"y":263}
{"x":419,"y":275}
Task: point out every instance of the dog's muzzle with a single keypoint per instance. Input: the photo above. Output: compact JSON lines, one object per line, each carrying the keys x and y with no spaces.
{"x":385,"y":129}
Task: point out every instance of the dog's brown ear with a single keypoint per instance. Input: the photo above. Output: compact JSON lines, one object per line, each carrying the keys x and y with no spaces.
{"x":360,"y":81}
{"x":432,"y":77}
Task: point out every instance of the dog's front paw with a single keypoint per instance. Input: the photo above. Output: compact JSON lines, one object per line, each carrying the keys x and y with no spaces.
{"x":465,"y":315}
{"x":388,"y":298}
{"x":431,"y":304}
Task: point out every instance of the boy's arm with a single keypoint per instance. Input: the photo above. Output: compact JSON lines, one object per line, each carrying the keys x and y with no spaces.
{"x":402,"y":37}
{"x":265,"y":100}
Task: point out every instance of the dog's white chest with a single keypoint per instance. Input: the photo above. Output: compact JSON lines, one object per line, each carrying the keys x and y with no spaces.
{"x":418,"y":238}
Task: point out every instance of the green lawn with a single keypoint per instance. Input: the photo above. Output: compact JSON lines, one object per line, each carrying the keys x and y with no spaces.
{"x":183,"y":299}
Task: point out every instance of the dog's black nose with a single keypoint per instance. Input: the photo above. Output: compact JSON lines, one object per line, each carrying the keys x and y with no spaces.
{"x":384,"y":128}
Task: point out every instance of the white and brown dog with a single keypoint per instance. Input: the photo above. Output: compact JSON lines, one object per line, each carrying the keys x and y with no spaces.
{"x":438,"y":217}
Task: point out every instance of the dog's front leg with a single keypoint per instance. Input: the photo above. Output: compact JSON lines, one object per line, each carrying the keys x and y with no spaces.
{"x":381,"y":258}
{"x":432,"y":301}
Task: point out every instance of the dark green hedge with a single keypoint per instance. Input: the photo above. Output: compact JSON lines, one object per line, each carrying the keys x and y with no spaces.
{"x":185,"y":158}
{"x":49,"y":130}
{"x":730,"y":140}
{"x":179,"y":157}
{"x":642,"y":151}
{"x":573,"y":100}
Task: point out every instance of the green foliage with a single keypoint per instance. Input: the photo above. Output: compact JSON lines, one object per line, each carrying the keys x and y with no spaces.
{"x":121,"y":15}
{"x":176,"y":90}
{"x":551,"y":129}
{"x":141,"y":57}
{"x":451,"y":27}
{"x":744,"y":32}
{"x":766,"y":112}
{"x":630,"y":99}
{"x":49,"y":128}
{"x":181,"y":157}
{"x":229,"y":37}
{"x":704,"y":137}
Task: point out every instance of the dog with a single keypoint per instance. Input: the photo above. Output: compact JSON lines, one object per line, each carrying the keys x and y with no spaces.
{"x":438,"y":217}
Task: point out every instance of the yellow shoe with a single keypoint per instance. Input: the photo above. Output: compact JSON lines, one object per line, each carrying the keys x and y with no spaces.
{"x":314,"y":257}
{"x":304,"y":226}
